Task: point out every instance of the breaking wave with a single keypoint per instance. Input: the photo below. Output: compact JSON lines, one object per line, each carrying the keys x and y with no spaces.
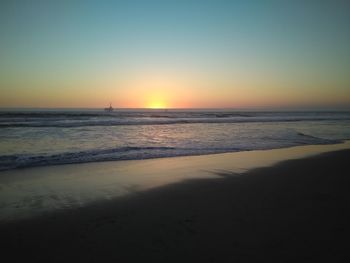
{"x":137,"y":153}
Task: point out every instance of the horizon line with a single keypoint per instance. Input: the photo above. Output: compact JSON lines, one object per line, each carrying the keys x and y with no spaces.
{"x":296,"y":108}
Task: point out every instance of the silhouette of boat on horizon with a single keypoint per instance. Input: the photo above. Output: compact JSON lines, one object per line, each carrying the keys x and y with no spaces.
{"x":110,"y":108}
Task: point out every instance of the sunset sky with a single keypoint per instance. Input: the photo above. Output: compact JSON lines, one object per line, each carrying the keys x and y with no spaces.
{"x":175,"y":54}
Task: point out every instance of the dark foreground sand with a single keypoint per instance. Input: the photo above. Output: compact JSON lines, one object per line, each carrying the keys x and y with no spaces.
{"x":296,"y":211}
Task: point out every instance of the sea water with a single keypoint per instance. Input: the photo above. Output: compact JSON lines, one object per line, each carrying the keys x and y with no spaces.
{"x":50,"y":137}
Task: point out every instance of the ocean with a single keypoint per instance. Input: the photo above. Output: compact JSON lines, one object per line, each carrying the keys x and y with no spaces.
{"x":31,"y":138}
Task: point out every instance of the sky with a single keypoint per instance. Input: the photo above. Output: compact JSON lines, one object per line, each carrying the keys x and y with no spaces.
{"x":175,"y":54}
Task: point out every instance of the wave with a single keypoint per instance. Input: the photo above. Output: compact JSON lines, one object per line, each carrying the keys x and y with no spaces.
{"x":123,"y":153}
{"x":129,"y":114}
{"x":290,"y":138}
{"x":95,"y":118}
{"x":71,"y":123}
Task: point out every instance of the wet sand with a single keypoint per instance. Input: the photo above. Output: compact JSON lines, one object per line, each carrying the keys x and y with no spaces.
{"x":293,"y":211}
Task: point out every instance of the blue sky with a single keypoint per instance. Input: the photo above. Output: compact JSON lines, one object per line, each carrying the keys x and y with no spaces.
{"x":221,"y":53}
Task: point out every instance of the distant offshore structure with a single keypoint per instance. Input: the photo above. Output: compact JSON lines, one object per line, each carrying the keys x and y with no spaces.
{"x":110,"y":108}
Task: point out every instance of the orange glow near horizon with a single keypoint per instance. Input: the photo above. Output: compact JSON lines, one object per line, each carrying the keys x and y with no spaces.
{"x":157,"y":90}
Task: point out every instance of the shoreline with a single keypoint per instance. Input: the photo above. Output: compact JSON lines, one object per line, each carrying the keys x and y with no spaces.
{"x":32,"y":192}
{"x":19,"y":168}
{"x":295,"y":210}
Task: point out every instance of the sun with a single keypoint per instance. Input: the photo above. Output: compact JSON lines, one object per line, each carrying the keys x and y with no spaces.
{"x":156,"y":100}
{"x":157,"y":105}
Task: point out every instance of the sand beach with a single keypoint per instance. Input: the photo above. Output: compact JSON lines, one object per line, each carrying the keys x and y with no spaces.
{"x":282,"y":205}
